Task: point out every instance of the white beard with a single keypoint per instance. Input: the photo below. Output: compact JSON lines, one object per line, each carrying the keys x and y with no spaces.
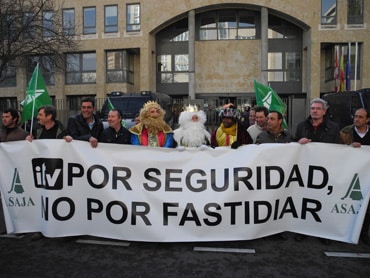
{"x":191,"y":134}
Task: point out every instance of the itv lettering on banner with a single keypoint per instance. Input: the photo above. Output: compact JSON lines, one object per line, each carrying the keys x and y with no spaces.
{"x":163,"y":195}
{"x":48,"y":173}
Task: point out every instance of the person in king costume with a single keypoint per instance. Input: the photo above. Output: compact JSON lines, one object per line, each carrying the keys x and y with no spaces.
{"x":192,"y":131}
{"x":152,"y":130}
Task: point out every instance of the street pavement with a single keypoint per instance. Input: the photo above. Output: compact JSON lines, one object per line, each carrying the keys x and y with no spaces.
{"x":97,"y":257}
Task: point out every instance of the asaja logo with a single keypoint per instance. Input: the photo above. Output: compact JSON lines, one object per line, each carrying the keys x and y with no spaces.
{"x":16,"y":183}
{"x":17,"y":188}
{"x":267,"y":100}
{"x":48,"y":173}
{"x":353,"y":193}
{"x":354,"y":190}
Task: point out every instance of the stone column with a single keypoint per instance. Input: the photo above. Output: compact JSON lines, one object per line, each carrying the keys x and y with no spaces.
{"x":191,"y":23}
{"x":264,"y":45}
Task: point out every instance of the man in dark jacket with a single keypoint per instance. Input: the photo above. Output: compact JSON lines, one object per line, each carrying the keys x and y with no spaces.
{"x":115,"y":132}
{"x":10,"y":130}
{"x":275,"y":132}
{"x":85,"y":126}
{"x":356,"y":135}
{"x":317,"y":128}
{"x":48,"y":126}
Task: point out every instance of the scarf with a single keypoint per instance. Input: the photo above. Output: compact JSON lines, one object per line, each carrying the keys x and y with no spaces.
{"x":225,"y":136}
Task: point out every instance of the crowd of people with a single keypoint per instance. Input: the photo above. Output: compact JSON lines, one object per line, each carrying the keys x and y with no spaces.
{"x":257,"y":126}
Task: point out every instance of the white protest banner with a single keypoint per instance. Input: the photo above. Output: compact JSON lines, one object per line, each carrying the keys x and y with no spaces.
{"x":164,"y":195}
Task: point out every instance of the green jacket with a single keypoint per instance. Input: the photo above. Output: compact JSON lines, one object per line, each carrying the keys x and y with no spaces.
{"x":346,"y":134}
{"x":60,"y":131}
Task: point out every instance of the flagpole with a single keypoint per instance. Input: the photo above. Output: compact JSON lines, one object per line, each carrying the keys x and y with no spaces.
{"x":33,"y":98}
{"x":336,"y":68}
{"x":341,"y":71}
{"x":348,"y":68}
{"x":356,"y":49}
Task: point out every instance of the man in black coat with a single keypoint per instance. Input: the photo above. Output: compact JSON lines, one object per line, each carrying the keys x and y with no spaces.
{"x":85,"y":126}
{"x":317,"y":128}
{"x":115,"y":132}
{"x":275,"y":132}
{"x":48,"y":126}
{"x":10,"y":130}
{"x":356,"y":135}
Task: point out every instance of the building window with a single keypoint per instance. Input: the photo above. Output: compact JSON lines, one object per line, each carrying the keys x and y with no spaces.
{"x":181,"y":67}
{"x":208,"y":27}
{"x":110,"y":19}
{"x":174,"y":68}
{"x":47,"y":67}
{"x":81,"y":68}
{"x":330,"y":63}
{"x":74,"y":102}
{"x":133,"y":17}
{"x":284,"y":67}
{"x":8,"y":76}
{"x":227,"y":25}
{"x":330,"y":60}
{"x":328,"y":12}
{"x":48,"y":24}
{"x":165,"y":68}
{"x":281,"y":29}
{"x":69,"y":21}
{"x":89,"y":20}
{"x":120,"y":66}
{"x":8,"y":27}
{"x":355,"y":12}
{"x":7,"y":102}
{"x":293,"y":67}
{"x":28,"y":26}
{"x":130,"y":75}
{"x":246,"y":26}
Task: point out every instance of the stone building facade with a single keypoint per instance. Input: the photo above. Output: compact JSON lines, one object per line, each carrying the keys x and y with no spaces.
{"x":207,"y":50}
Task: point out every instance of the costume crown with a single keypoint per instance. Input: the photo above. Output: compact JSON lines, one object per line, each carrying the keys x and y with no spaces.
{"x":229,"y":112}
{"x":149,"y":104}
{"x":191,"y":108}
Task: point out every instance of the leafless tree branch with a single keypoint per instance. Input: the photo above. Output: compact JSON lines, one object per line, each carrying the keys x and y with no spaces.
{"x":29,"y":28}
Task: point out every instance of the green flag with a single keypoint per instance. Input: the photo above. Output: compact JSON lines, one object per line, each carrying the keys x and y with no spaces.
{"x":110,"y":105}
{"x":266,"y":96}
{"x":36,"y":96}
